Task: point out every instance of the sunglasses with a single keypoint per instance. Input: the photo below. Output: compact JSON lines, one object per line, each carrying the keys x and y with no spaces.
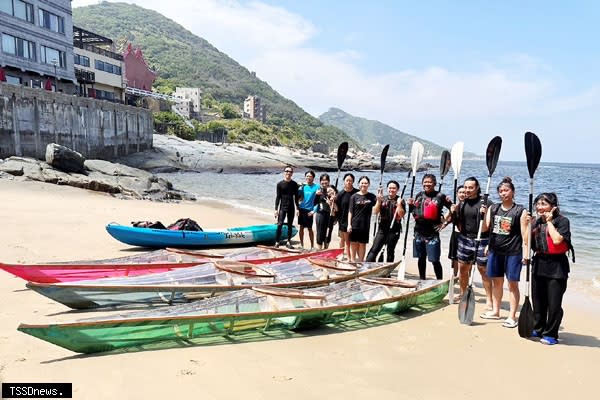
{"x":288,"y":171}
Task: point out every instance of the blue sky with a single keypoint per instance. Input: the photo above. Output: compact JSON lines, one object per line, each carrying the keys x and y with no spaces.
{"x":444,"y":71}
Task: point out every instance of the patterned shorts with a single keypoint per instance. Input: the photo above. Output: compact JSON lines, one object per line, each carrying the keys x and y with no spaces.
{"x":466,"y":250}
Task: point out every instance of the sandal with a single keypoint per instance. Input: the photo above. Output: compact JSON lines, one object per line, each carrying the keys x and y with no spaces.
{"x":510,"y":323}
{"x":487,"y":315}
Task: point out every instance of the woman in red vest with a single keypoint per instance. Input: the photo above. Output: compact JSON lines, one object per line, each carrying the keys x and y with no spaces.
{"x":551,"y":241}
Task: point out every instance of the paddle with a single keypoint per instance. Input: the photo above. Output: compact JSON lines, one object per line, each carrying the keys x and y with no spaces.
{"x":445,"y":163}
{"x":466,"y":307}
{"x":384,"y":153}
{"x":456,"y":156}
{"x":342,"y":151}
{"x":416,"y":155}
{"x":533,"y":152}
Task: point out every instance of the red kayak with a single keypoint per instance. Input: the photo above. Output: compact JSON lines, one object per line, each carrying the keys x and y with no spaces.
{"x":152,"y":262}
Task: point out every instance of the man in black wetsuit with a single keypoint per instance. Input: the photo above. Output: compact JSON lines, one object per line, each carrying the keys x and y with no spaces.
{"x":285,"y":204}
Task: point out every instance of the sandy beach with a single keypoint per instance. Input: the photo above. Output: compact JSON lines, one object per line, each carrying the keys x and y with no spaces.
{"x":418,"y":355}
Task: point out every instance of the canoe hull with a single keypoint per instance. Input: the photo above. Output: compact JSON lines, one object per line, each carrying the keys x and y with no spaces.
{"x":106,"y":335}
{"x":133,"y":266}
{"x":160,"y":238}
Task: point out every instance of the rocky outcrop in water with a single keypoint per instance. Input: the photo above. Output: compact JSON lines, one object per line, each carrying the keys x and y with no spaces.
{"x":171,"y":153}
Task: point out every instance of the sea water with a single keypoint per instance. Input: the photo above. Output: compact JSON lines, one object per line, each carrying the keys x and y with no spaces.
{"x":575,"y":184}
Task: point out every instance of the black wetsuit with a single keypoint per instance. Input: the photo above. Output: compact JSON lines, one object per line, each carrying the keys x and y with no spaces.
{"x":385,"y":235}
{"x":285,"y":203}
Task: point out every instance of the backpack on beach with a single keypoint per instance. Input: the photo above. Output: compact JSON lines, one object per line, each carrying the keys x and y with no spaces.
{"x":184,"y":224}
{"x":148,"y":224}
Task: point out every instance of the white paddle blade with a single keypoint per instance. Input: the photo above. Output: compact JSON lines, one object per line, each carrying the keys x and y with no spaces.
{"x":416,"y":155}
{"x":456,"y":157}
{"x":402,"y":269}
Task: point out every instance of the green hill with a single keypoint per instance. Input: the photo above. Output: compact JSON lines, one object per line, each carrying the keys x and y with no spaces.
{"x":184,"y":59}
{"x":373,"y":135}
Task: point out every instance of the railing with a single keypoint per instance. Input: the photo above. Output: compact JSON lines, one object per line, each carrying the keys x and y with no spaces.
{"x":140,"y":92}
{"x":98,"y":50}
{"x":85,"y":76}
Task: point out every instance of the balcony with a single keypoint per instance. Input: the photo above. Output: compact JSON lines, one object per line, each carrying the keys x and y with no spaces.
{"x":84,"y":76}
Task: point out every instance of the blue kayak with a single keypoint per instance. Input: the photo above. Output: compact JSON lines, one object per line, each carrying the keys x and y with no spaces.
{"x":148,"y":237}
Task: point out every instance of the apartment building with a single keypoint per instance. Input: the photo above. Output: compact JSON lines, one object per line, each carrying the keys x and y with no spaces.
{"x":99,"y":69}
{"x":37,"y":44}
{"x":190,"y":103}
{"x":253,"y":109}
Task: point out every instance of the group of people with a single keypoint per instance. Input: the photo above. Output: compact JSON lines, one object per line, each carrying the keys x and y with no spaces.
{"x":495,"y":237}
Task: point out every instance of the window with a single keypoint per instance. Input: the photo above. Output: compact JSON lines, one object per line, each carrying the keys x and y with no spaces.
{"x":18,"y":47}
{"x":48,"y":55}
{"x":17,"y":8}
{"x":107,"y":67}
{"x":82,"y":60}
{"x":6,"y":6}
{"x":13,"y":80}
{"x":51,"y":21}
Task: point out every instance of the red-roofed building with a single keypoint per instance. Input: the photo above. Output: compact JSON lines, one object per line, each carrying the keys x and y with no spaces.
{"x":137,"y":72}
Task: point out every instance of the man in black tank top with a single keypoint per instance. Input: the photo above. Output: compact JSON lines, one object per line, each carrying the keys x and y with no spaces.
{"x":285,"y":204}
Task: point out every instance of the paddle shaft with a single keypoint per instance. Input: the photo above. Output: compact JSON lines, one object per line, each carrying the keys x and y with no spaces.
{"x":412,"y":192}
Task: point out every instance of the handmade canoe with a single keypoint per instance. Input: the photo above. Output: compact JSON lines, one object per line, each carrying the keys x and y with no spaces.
{"x":161,"y":238}
{"x":206,"y":280}
{"x":147,"y":263}
{"x":261,"y":309}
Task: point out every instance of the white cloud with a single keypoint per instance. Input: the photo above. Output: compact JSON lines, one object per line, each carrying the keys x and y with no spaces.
{"x":513,"y":90}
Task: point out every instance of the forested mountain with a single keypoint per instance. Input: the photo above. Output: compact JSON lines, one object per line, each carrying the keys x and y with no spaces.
{"x":184,"y":59}
{"x":373,"y":135}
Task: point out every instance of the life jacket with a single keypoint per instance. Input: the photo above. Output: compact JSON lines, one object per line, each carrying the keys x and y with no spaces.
{"x":429,"y":208}
{"x":545,"y":245}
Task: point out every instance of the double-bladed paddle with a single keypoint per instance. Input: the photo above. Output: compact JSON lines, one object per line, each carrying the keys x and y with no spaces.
{"x":384,"y":153}
{"x":466,"y":307}
{"x":445,"y":163}
{"x":456,"y":157}
{"x":533,"y":152}
{"x":416,"y":155}
{"x":342,"y":151}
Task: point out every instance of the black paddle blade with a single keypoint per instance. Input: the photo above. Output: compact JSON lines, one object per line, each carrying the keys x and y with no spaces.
{"x":492,"y":154}
{"x":445,"y":163}
{"x":341,"y":154}
{"x":533,"y":152}
{"x":384,"y":156}
{"x":466,"y":307}
{"x":526,"y":319}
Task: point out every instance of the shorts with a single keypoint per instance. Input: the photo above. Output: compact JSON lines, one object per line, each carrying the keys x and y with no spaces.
{"x":427,"y":246}
{"x":304,"y":219}
{"x":499,"y":265}
{"x":359,"y":236}
{"x":466,"y":250}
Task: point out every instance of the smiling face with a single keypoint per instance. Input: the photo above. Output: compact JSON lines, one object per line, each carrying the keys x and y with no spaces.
{"x":428,"y":185}
{"x":363,"y":185}
{"x":392,"y":190}
{"x":470,"y":189}
{"x":460,"y":194}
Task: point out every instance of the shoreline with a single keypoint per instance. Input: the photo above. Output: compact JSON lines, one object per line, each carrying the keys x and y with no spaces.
{"x":425,"y":349}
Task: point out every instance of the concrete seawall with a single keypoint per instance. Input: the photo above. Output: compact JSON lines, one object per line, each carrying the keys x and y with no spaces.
{"x":32,"y":118}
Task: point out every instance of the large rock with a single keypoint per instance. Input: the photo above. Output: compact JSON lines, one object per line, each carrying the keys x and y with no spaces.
{"x":65,"y":159}
{"x":103,"y":176}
